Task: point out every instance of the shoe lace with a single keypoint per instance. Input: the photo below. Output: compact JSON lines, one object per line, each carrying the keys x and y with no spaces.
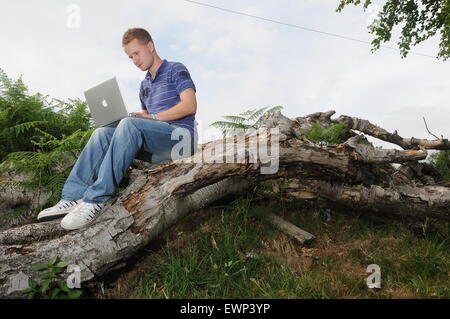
{"x":63,"y":204}
{"x":85,"y":209}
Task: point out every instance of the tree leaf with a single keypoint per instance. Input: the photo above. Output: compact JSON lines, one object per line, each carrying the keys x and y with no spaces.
{"x":54,"y":293}
{"x":33,"y":284}
{"x":52,"y":261}
{"x":63,"y":286}
{"x":27,"y":290}
{"x":39,"y":267}
{"x":74,"y":294}
{"x":62,"y":264}
{"x":45,"y":284}
{"x":48,"y":275}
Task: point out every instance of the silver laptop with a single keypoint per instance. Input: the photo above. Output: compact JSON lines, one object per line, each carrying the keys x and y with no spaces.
{"x":106,"y":103}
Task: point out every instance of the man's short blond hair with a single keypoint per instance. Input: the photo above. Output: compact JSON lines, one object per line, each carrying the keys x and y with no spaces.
{"x":136,"y":33}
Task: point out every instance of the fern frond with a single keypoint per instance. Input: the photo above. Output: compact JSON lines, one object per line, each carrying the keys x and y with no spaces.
{"x":19,"y":129}
{"x":16,"y":184}
{"x":85,"y":137}
{"x":247,"y":113}
{"x":47,"y":135}
{"x":229,"y":125}
{"x":55,"y":183}
{"x":22,"y":156}
{"x":258,"y":113}
{"x":275,"y":109}
{"x":235,"y":119}
{"x":269,"y":111}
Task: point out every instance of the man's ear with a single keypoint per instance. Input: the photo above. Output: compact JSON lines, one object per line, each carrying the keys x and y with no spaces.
{"x":151,"y":46}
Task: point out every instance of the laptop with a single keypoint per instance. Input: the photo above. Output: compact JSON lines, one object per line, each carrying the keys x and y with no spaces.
{"x":105,"y":103}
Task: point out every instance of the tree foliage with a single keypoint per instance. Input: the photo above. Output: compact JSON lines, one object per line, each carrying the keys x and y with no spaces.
{"x":419,"y":19}
{"x":40,"y":137}
{"x":441,"y":162}
{"x":331,"y":135}
{"x":50,"y":287}
{"x":25,"y":118}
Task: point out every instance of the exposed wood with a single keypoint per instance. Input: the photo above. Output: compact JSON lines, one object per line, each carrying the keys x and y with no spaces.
{"x":369,"y":154}
{"x":289,"y":229}
{"x":405,"y":200}
{"x":406,"y":143}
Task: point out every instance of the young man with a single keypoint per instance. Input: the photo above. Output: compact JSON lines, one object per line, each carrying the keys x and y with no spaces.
{"x":168,"y":102}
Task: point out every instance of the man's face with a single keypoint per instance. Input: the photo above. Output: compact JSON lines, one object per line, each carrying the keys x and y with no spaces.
{"x":141,"y":54}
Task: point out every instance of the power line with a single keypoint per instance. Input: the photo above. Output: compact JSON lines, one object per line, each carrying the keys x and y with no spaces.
{"x":300,"y":27}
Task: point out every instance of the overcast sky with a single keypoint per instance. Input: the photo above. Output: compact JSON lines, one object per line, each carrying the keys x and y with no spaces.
{"x":237,"y":62}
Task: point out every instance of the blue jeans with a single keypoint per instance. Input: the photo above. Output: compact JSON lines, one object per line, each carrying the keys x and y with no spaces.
{"x":110,"y":151}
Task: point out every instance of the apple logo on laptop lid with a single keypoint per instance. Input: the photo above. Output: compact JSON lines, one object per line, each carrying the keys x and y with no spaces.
{"x":104,"y":103}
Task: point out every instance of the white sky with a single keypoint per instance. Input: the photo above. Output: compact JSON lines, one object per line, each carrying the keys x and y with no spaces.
{"x":237,"y":62}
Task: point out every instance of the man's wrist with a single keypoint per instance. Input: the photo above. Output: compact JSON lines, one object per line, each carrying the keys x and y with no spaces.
{"x":153,"y":116}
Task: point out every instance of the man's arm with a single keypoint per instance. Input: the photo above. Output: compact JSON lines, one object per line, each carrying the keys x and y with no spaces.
{"x":187,"y":106}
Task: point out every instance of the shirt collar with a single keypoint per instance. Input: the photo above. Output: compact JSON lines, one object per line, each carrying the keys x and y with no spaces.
{"x":160,"y":69}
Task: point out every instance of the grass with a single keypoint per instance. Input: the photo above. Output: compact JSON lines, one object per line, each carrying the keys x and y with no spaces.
{"x":230,"y":252}
{"x":330,"y":135}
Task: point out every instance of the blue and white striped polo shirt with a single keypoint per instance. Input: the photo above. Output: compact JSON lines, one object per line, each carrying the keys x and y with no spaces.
{"x":164,"y":91}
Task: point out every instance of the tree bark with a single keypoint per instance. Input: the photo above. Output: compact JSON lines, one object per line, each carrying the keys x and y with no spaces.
{"x":352,"y":174}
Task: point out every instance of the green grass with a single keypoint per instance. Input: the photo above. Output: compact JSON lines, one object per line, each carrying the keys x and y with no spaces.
{"x":441,"y":162}
{"x":330,"y":135}
{"x":230,"y":252}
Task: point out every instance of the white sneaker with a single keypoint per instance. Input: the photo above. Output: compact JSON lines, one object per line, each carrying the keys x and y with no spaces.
{"x":59,"y":210}
{"x":82,"y":215}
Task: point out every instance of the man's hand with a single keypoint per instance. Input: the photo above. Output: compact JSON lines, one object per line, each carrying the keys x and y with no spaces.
{"x":141,"y":114}
{"x":186,"y":106}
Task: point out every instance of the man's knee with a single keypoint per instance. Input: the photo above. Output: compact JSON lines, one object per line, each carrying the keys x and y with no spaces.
{"x":102,"y":132}
{"x":126,"y":123}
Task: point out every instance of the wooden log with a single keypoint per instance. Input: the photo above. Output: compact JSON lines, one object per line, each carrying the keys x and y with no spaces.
{"x":346,"y":174}
{"x":406,"y":143}
{"x":409,"y":201}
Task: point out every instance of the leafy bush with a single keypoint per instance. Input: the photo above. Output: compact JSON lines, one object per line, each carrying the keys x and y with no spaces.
{"x":40,"y":137}
{"x":331,"y":135}
{"x":21,"y":114}
{"x":441,"y":162}
{"x":49,"y":287}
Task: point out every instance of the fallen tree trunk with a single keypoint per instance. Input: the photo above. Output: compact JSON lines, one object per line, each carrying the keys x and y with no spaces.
{"x":410,"y":201}
{"x":352,"y":174}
